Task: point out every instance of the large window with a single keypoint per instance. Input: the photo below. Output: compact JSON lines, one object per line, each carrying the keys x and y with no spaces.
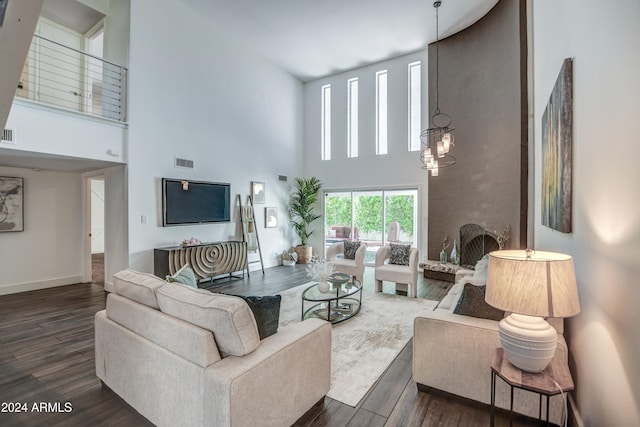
{"x":352,"y":117}
{"x":381,"y":112}
{"x":325,"y":136}
{"x":415,"y":123}
{"x":366,"y":215}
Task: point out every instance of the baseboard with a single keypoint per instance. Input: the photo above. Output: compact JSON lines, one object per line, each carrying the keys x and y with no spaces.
{"x":575,"y":420}
{"x":43,"y":284}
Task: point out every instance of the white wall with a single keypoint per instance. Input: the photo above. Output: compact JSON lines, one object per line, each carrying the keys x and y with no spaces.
{"x":195,"y":94}
{"x":116,"y":32}
{"x":116,"y":225}
{"x":605,"y":242}
{"x":63,"y":133}
{"x":97,"y":215}
{"x":49,"y":250}
{"x":398,"y":168}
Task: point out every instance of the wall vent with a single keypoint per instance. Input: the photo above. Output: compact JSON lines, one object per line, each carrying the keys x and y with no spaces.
{"x":9,"y":136}
{"x":282,"y":178}
{"x":184,"y":163}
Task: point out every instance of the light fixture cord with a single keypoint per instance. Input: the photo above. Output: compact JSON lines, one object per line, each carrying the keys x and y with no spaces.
{"x":437,"y":111}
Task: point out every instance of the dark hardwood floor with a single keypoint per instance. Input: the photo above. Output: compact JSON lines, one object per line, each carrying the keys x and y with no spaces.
{"x":47,"y":357}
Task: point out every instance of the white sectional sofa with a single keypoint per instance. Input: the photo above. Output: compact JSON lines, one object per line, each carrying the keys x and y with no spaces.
{"x":187,"y":357}
{"x":453,"y":353}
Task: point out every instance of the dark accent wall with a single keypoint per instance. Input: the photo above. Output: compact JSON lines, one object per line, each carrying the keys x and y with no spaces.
{"x":483,"y":88}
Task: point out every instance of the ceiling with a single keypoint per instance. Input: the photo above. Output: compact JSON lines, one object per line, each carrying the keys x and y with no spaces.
{"x":308,"y":38}
{"x":39,"y":161}
{"x":71,"y":14}
{"x":312,"y":39}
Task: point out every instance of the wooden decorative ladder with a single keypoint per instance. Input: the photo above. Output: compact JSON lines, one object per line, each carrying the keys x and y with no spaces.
{"x":250,"y":230}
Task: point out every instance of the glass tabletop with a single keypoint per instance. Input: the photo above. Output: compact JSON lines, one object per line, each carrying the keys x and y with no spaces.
{"x":336,"y":291}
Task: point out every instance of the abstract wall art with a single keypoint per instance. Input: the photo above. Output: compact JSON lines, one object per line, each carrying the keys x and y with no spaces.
{"x":270,"y":217}
{"x":557,"y":135}
{"x":11,"y":204}
{"x":257,"y":192}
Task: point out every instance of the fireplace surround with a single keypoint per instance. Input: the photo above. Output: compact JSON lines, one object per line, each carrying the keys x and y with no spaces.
{"x":476,"y":242}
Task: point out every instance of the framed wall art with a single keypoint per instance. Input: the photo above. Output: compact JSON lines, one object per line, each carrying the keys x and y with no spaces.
{"x":557,"y":135}
{"x":11,"y":204}
{"x":257,"y":192}
{"x":270,"y":217}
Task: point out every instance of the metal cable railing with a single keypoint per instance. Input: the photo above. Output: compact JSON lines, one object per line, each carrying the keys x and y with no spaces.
{"x":68,"y":78}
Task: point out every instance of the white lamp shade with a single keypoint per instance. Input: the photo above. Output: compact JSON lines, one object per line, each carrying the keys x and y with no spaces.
{"x":543,"y":285}
{"x":531,"y":285}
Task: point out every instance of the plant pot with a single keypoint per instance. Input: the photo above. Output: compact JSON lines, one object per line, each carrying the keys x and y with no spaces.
{"x":304,"y":254}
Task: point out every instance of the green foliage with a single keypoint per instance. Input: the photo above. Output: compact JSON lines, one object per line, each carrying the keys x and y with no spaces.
{"x":368,"y":212}
{"x":400,"y":209}
{"x":301,"y":206}
{"x":338,"y":211}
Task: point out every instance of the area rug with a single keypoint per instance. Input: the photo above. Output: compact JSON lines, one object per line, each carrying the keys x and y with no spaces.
{"x":365,"y":345}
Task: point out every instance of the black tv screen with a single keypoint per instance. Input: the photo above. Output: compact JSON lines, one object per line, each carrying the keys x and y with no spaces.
{"x":194,"y":202}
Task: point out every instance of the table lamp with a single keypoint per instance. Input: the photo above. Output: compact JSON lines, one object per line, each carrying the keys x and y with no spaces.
{"x":531,"y":285}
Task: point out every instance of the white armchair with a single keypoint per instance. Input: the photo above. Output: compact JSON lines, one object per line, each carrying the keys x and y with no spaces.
{"x":402,"y":275}
{"x":353,"y":267}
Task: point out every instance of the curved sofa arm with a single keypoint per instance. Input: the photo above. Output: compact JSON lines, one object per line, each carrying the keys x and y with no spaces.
{"x":360,"y":253}
{"x":334,"y":250}
{"x":453,"y":353}
{"x":270,"y":383}
{"x":413,"y":263}
{"x":382,"y":254}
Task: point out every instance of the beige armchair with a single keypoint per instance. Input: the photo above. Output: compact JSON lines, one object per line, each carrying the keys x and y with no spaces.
{"x":353,"y":267}
{"x":402,"y":275}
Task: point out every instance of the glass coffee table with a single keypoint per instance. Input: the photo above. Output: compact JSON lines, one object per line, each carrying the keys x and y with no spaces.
{"x":341,"y":302}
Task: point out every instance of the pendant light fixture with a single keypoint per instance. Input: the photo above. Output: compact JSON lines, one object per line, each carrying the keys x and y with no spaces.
{"x":438,"y":141}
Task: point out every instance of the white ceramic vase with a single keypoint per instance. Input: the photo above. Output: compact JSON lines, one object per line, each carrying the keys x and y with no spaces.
{"x":323,"y":287}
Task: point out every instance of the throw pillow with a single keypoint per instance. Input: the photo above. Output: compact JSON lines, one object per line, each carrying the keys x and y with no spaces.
{"x":480,"y":273}
{"x":472,"y":303}
{"x":400,"y":254}
{"x":266,"y":311}
{"x":185,"y":276}
{"x":350,"y":249}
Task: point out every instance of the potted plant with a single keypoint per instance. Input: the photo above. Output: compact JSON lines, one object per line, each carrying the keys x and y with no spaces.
{"x":302,"y":213}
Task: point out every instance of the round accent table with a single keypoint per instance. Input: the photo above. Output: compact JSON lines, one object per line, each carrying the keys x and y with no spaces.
{"x":341,"y":302}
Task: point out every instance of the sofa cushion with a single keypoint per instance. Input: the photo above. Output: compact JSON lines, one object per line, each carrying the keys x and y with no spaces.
{"x":266,"y":311}
{"x":399,"y":254}
{"x":350,"y":249}
{"x":228,"y":317}
{"x":472,"y":303}
{"x":182,"y":338}
{"x":140,"y":287}
{"x":185,"y":276}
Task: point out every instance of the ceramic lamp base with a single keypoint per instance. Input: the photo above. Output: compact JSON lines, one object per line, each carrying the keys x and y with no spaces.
{"x":528,"y":341}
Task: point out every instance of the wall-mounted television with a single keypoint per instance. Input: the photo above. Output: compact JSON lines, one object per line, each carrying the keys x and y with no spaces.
{"x":194,"y":202}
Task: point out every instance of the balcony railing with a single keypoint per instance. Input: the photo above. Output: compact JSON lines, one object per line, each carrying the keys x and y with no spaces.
{"x":68,"y":78}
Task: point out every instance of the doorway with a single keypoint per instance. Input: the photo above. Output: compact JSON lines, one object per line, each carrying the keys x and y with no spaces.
{"x":96,"y":189}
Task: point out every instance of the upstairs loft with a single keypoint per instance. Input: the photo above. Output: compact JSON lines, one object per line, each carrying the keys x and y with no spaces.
{"x":69,"y":106}
{"x":58,"y":75}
